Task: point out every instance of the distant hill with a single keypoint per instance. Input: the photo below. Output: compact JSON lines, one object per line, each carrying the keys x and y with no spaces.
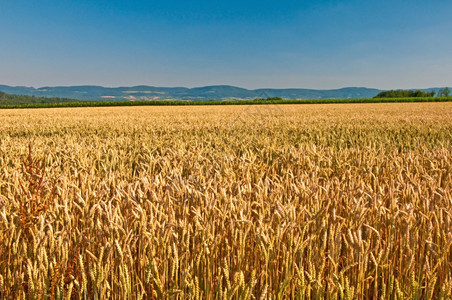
{"x":7,"y":99}
{"x":218,"y":92}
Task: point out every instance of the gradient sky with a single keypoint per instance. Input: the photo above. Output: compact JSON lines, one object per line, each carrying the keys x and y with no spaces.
{"x":253,"y":44}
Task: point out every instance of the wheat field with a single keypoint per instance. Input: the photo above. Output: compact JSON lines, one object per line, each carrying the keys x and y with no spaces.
{"x":340,"y":201}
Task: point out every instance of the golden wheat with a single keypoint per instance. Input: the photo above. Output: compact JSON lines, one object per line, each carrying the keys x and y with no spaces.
{"x":241,"y":202}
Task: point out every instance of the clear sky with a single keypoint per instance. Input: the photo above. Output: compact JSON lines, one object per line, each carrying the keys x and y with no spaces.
{"x":302,"y":44}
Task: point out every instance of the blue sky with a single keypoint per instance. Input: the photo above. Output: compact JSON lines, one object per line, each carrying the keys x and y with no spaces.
{"x":252,"y":44}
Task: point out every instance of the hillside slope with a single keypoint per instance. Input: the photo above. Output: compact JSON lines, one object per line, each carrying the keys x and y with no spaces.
{"x":217,"y":92}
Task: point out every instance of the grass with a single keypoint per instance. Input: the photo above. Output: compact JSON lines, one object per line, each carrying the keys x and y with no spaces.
{"x":228,"y":102}
{"x":238,"y":202}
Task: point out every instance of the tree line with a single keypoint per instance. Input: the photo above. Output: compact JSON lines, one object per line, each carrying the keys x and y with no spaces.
{"x":445,"y":92}
{"x":10,"y":99}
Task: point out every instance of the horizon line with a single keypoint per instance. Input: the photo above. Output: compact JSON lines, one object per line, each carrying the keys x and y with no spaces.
{"x":213,"y":85}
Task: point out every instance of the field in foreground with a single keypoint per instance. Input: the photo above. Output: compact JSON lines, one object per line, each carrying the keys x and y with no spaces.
{"x":344,"y":201}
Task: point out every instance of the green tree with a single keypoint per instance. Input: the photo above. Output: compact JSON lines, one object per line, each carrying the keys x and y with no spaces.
{"x":404,"y":94}
{"x":445,"y":92}
{"x":274,"y":98}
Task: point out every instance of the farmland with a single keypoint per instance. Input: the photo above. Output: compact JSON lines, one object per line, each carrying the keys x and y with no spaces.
{"x":26,"y":102}
{"x":346,"y":201}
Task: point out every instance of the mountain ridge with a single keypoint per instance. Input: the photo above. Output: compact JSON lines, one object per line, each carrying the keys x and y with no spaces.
{"x":205,"y":93}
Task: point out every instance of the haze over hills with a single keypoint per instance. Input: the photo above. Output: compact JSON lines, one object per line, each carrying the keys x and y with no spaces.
{"x":217,"y":92}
